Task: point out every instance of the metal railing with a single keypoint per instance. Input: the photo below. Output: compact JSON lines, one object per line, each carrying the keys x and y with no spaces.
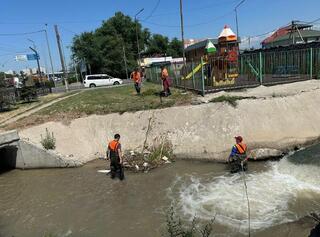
{"x":252,"y":68}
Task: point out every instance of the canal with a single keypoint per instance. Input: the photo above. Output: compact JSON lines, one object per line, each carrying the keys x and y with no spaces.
{"x":83,"y":202}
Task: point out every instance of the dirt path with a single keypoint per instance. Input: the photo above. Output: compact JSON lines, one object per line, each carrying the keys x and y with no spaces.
{"x":31,"y":110}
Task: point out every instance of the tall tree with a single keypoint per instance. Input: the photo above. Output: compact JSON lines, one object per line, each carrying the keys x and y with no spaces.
{"x":175,"y":48}
{"x":103,"y":48}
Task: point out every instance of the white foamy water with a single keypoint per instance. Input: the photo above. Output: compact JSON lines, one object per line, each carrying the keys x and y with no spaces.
{"x":275,"y":196}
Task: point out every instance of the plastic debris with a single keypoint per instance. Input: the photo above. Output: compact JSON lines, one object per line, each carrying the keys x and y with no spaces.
{"x":165,"y":158}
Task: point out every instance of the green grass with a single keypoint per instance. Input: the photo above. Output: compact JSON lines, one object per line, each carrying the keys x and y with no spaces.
{"x":232,"y":100}
{"x":116,"y":100}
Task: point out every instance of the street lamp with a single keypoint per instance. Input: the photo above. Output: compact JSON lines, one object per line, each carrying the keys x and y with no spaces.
{"x":236,"y":12}
{"x":136,"y":21}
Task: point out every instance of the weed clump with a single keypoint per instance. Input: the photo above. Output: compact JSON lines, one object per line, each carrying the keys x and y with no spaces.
{"x":175,"y":227}
{"x":48,"y":141}
{"x":160,"y":153}
{"x":232,"y":100}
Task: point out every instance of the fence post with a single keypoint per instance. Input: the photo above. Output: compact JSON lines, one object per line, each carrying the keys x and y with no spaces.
{"x":193,"y":82}
{"x":202,"y":77}
{"x":311,"y":63}
{"x":260,"y":68}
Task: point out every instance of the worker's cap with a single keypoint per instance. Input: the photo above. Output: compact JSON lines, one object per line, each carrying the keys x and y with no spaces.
{"x":238,"y":138}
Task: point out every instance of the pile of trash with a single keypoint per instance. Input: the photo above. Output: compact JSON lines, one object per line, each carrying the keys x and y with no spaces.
{"x":149,"y":158}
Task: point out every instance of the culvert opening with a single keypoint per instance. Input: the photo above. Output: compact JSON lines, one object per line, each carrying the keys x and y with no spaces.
{"x":8,"y":158}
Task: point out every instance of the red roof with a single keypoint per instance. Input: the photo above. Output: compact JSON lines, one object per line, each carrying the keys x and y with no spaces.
{"x":281,"y":32}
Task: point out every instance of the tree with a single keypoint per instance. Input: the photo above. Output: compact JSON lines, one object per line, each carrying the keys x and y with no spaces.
{"x":157,"y":45}
{"x":175,"y":48}
{"x":103,"y":48}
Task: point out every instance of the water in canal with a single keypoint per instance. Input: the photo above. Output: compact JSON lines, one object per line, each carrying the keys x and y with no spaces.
{"x":82,"y":202}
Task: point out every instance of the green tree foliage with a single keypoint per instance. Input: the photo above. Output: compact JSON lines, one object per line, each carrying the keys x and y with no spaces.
{"x":102,"y":49}
{"x":160,"y":45}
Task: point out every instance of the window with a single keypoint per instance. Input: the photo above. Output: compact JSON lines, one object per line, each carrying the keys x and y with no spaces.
{"x":93,"y":77}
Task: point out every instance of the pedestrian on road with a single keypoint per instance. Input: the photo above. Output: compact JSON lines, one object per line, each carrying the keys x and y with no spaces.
{"x":136,"y":77}
{"x":114,"y":153}
{"x":165,"y":82}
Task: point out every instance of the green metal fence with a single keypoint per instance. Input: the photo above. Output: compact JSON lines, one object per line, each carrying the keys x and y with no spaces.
{"x":254,"y":68}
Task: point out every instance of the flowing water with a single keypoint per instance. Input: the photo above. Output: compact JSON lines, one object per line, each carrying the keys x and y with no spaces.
{"x":82,"y":202}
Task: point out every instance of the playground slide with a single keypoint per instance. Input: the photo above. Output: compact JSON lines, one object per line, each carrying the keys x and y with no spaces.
{"x":194,"y":71}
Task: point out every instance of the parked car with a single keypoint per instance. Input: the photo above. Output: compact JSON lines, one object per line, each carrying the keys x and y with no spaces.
{"x":101,"y":80}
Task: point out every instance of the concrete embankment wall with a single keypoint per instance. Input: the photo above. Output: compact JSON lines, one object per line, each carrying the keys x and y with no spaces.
{"x":203,"y":131}
{"x":17,"y":153}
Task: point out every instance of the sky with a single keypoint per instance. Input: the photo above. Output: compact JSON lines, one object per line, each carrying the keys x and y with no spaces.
{"x":202,"y":19}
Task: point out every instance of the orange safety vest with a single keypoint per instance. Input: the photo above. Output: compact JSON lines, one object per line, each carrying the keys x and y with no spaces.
{"x":136,"y":76}
{"x":241,"y":147}
{"x":113,"y":148}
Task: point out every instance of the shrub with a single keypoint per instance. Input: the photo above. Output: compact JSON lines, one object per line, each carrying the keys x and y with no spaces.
{"x":48,"y":142}
{"x":175,"y":227}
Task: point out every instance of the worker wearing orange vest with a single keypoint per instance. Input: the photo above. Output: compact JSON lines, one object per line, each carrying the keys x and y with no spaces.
{"x":114,"y":153}
{"x":238,"y":156}
{"x":136,"y":77}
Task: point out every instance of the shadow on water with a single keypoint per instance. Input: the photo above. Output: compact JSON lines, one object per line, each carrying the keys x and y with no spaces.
{"x":307,"y":156}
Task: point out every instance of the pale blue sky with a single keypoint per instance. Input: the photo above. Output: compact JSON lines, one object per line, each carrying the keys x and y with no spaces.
{"x":203,"y":19}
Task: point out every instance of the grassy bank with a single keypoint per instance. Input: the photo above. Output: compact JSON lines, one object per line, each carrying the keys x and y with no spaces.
{"x":104,"y":101}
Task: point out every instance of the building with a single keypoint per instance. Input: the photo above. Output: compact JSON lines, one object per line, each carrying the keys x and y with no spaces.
{"x":33,"y":71}
{"x":295,"y":33}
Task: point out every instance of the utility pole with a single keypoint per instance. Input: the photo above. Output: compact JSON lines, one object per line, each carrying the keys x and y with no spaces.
{"x":182,"y":39}
{"x":236,"y":12}
{"x":37,"y":57}
{"x":137,"y":36}
{"x":125,"y":60}
{"x":49,"y":52}
{"x":61,"y":57}
{"x":75,"y":70}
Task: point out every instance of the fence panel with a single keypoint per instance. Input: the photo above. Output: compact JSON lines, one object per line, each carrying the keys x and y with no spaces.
{"x":253,"y":68}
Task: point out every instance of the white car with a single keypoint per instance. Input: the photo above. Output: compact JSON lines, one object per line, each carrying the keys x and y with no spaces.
{"x":101,"y":80}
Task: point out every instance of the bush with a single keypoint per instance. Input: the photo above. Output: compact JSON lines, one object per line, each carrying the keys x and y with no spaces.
{"x":70,"y":79}
{"x":48,"y":142}
{"x":175,"y":227}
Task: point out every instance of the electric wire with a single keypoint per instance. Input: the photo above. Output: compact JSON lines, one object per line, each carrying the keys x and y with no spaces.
{"x":153,"y":10}
{"x":248,"y":202}
{"x":23,"y":33}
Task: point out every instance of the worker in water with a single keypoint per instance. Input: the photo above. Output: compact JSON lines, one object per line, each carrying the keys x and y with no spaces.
{"x":238,"y":156}
{"x":114,"y":153}
{"x":136,"y":77}
{"x":165,"y":82}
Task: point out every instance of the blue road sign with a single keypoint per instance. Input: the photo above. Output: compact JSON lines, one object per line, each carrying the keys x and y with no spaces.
{"x":31,"y":57}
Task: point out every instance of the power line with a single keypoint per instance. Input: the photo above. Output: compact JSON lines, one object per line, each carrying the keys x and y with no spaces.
{"x":24,"y":33}
{"x":191,"y":25}
{"x":197,"y":8}
{"x":153,"y":10}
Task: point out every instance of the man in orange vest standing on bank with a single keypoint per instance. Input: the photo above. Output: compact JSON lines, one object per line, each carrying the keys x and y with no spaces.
{"x":136,"y":77}
{"x":238,"y":156}
{"x":114,"y":153}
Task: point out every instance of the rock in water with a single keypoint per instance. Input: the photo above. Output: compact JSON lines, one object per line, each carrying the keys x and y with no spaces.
{"x":264,"y":153}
